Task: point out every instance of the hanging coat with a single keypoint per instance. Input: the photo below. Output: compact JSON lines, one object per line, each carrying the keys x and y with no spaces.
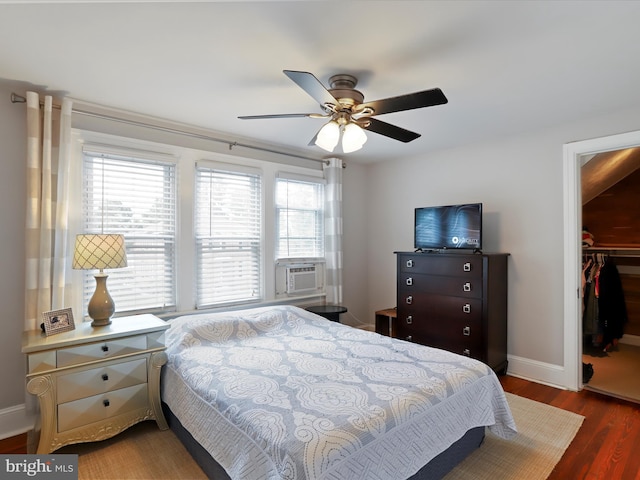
{"x":612,"y":310}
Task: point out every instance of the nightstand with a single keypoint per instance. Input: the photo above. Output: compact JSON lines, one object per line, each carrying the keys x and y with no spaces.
{"x":330,"y":312}
{"x":94,"y":382}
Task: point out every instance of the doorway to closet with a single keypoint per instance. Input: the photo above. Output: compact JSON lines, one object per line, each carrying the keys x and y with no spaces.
{"x":601,"y":181}
{"x":610,"y":198}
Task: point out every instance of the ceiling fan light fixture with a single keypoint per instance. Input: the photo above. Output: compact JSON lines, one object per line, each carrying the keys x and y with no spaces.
{"x":343,"y":104}
{"x":353,"y":138}
{"x":328,"y":136}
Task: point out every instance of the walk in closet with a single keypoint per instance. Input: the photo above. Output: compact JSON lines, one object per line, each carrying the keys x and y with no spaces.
{"x":611,"y":272}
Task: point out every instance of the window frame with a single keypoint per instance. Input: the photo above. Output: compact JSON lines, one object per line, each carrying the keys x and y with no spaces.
{"x":138,"y":159}
{"x":286,"y":176}
{"x":186,"y":157}
{"x":241,"y":171}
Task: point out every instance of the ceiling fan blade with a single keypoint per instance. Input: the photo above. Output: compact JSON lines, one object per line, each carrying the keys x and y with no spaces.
{"x":426,"y":98}
{"x":283,"y":115}
{"x":310,"y":84}
{"x":391,"y":131}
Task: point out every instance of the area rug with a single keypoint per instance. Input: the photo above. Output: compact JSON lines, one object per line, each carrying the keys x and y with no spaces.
{"x":144,"y":452}
{"x":544,"y":433}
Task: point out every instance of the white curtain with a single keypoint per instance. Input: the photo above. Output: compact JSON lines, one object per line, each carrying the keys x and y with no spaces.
{"x":333,"y":229}
{"x":48,"y":166}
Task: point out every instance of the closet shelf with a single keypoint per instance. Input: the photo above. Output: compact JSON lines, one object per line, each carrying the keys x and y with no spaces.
{"x":614,"y":251}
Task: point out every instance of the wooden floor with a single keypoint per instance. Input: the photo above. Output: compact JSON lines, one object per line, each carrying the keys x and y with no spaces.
{"x":605,"y":448}
{"x":14,"y":445}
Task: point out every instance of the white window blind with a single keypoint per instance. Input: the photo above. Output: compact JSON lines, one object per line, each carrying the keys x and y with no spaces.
{"x":299,"y":219}
{"x":228,"y":237}
{"x":135,"y":197}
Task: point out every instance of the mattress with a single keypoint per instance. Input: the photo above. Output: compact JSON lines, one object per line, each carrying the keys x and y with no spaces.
{"x":282,"y":393}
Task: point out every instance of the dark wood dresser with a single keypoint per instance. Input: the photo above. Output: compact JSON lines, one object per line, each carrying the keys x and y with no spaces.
{"x":455,"y":301}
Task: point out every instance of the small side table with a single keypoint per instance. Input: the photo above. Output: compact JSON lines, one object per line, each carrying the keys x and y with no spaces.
{"x":386,"y":322}
{"x":95,"y":382}
{"x":330,"y":312}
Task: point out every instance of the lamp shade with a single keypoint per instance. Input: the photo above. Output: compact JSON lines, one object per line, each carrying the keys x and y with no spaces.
{"x":353,"y":138}
{"x":328,"y":136}
{"x":99,"y":251}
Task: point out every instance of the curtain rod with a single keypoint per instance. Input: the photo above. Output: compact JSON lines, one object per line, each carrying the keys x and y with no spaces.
{"x":15,"y":98}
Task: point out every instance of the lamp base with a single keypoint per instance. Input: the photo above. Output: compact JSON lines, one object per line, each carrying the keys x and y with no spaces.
{"x":101,"y":322}
{"x":101,"y":306}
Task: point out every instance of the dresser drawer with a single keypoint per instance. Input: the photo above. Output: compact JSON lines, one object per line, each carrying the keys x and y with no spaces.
{"x":455,"y":342}
{"x":100,"y":350}
{"x":468,"y":266}
{"x":85,"y":411}
{"x":442,"y":285}
{"x":102,"y":379}
{"x":455,"y":331}
{"x":436,"y":309}
{"x":469,"y":347}
{"x":454,"y":327}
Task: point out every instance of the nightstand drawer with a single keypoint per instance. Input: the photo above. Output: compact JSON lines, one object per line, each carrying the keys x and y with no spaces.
{"x":100,"y":380}
{"x":100,"y":351}
{"x":85,"y":411}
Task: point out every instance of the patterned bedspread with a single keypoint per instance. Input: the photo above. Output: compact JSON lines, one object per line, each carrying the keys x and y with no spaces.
{"x":282,"y":393}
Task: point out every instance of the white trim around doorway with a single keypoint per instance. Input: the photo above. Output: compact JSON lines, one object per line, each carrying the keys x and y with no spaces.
{"x":573,"y":154}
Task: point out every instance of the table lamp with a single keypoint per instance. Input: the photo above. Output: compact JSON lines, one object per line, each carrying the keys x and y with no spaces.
{"x":100,"y":251}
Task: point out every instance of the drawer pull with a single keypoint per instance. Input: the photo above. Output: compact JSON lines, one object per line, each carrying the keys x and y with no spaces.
{"x":409,"y":320}
{"x":105,"y":402}
{"x":409,"y":338}
{"x":466,"y":267}
{"x":466,"y":308}
{"x":466,"y":287}
{"x":466,"y":331}
{"x":409,"y":281}
{"x":409,"y":263}
{"x":466,"y":352}
{"x":105,"y":348}
{"x":409,"y":300}
{"x":105,"y":377}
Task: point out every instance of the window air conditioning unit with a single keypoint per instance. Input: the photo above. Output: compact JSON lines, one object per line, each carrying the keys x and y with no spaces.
{"x":301,"y":278}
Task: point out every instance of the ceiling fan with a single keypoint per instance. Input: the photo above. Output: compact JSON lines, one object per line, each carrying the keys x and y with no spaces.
{"x":349,"y":115}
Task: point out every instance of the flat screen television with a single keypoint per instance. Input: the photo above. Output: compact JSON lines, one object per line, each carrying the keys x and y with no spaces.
{"x":448,"y":226}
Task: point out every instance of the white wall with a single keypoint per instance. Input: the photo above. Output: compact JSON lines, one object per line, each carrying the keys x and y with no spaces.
{"x":520,"y":182}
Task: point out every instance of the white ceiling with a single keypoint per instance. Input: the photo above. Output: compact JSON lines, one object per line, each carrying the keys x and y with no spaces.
{"x":506,"y":66}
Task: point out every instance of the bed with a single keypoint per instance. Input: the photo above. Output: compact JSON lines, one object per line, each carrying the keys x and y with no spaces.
{"x":283,"y":393}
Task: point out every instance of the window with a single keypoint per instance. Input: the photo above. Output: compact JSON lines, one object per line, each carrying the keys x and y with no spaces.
{"x":228,"y":236}
{"x":299,"y":219}
{"x":135,"y":197}
{"x":202,"y":228}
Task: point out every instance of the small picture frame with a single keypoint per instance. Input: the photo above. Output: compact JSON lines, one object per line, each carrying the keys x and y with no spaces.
{"x":58,"y":321}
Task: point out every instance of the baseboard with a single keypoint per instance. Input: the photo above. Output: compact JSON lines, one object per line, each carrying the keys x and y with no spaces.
{"x":369,"y":328}
{"x":630,"y":340}
{"x":539,"y":372}
{"x":14,"y":421}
